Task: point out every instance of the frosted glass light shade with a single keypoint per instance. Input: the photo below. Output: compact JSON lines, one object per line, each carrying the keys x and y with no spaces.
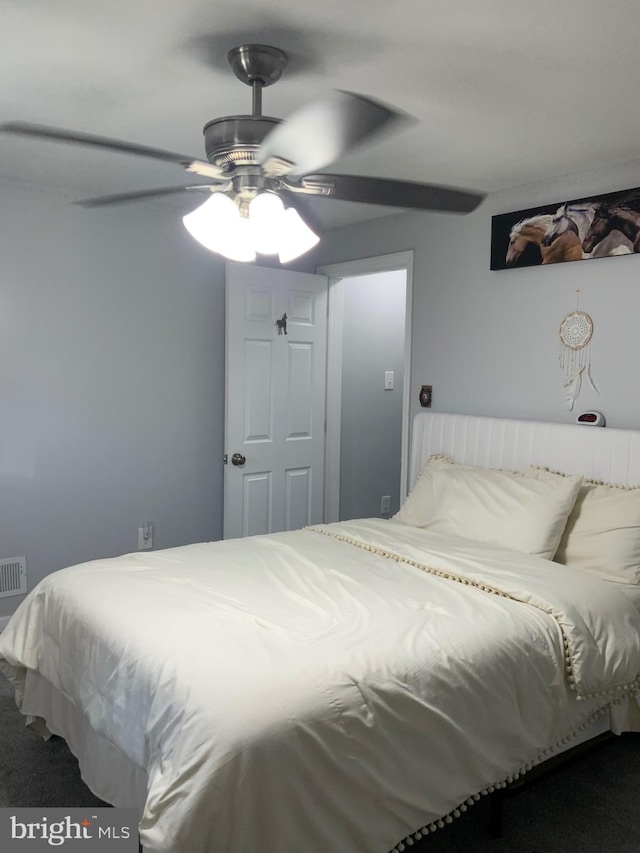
{"x":218,"y":226}
{"x":296,"y":237}
{"x":266,"y":214}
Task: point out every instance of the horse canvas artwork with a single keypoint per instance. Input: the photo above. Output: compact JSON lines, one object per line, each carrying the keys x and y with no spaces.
{"x":597,"y":227}
{"x":534,"y":230}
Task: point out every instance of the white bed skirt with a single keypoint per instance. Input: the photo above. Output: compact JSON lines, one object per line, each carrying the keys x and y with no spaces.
{"x":108,"y":773}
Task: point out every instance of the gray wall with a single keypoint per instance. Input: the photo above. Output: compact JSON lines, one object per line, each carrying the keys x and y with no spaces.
{"x":112,"y":356}
{"x":111,"y":382}
{"x":371,"y":434}
{"x":488,"y":341}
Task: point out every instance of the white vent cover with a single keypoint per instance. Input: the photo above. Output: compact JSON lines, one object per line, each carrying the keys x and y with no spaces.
{"x":13,"y":576}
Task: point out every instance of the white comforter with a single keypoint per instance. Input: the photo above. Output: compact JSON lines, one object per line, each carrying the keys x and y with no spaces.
{"x":301,"y":693}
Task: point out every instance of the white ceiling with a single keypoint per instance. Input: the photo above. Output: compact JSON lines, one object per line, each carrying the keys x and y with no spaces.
{"x":506,"y":92}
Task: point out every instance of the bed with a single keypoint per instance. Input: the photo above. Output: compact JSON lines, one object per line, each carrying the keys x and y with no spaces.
{"x":356,"y":686}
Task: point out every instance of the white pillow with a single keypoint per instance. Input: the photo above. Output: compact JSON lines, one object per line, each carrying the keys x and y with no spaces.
{"x":419,"y":504}
{"x":523,"y":510}
{"x":603,"y":532}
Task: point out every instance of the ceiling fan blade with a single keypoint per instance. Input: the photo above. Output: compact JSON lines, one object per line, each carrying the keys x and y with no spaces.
{"x":141,"y":195}
{"x":55,"y":134}
{"x":318,"y":133}
{"x":388,"y":192}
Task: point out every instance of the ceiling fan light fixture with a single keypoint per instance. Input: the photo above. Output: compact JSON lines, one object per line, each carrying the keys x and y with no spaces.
{"x":218,"y":226}
{"x":270,"y":229}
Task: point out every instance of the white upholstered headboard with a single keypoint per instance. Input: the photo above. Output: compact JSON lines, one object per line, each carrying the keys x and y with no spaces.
{"x":612,"y":455}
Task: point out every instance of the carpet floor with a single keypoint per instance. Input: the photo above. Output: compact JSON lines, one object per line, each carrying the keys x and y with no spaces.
{"x":590,"y":806}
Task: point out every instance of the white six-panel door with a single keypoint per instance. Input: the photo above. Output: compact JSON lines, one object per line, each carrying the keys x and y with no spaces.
{"x":275,"y":400}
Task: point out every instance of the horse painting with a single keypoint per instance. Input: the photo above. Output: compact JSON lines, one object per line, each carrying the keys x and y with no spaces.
{"x":613,"y":217}
{"x":578,"y":218}
{"x":565,"y":247}
{"x":598,"y":226}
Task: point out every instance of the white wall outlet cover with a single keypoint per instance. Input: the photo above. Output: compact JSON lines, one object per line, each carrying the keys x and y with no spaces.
{"x":145,"y":536}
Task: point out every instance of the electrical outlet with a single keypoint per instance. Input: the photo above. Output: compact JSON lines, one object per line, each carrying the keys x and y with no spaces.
{"x":145,"y":536}
{"x":385,"y":503}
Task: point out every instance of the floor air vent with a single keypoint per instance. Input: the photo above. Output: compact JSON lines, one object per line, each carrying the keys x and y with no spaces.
{"x":13,"y":576}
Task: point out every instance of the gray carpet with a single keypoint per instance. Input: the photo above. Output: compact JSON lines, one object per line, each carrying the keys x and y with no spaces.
{"x":592,"y":806}
{"x":34,"y":772}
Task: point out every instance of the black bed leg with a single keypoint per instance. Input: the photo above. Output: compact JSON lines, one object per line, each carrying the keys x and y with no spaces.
{"x":496,"y":814}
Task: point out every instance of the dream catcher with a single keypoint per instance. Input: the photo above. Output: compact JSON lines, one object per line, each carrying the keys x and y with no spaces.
{"x":576,"y":331}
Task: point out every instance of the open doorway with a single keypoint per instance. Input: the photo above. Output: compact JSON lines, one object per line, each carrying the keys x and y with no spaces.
{"x":372,"y":385}
{"x":368,"y":384}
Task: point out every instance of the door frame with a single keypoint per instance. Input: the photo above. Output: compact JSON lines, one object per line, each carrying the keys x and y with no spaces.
{"x":336,"y":273}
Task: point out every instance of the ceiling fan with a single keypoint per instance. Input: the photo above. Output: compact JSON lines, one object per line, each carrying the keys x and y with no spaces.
{"x":250,"y":156}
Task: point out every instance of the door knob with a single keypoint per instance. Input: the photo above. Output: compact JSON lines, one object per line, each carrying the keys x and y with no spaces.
{"x":238,"y":459}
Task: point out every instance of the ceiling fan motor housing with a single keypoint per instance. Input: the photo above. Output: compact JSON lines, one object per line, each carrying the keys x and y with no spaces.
{"x":234,"y":140}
